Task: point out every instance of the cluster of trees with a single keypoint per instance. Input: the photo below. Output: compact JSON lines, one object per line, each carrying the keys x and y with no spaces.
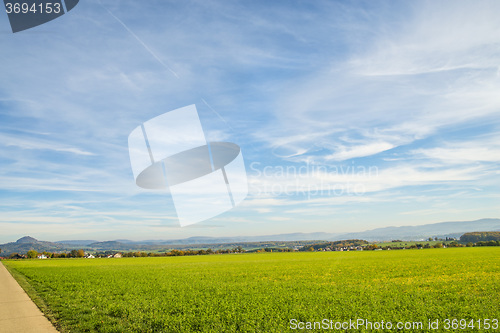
{"x":419,"y":246}
{"x":412,"y":246}
{"x":370,"y":247}
{"x":442,"y":239}
{"x":32,"y":254}
{"x":272,"y":249}
{"x":335,"y":245}
{"x":437,"y":245}
{"x":429,"y":246}
{"x":177,"y":253}
{"x":475,"y":237}
{"x":488,"y":243}
{"x":81,"y":253}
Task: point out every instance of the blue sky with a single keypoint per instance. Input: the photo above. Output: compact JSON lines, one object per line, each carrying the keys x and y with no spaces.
{"x":350,"y":115}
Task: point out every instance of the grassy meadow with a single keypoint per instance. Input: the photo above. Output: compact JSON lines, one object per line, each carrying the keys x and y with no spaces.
{"x":263,"y":292}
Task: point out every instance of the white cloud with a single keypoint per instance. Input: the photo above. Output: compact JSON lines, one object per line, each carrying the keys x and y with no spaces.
{"x":463,"y":154}
{"x":439,"y":37}
{"x":336,"y":183}
{"x":436,"y":69}
{"x":346,"y":153}
{"x":40,"y":144}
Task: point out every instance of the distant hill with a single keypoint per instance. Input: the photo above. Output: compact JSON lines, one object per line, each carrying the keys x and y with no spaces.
{"x":76,"y":242}
{"x":421,"y":232}
{"x":475,"y":237}
{"x":26,"y":240}
{"x":238,"y":239}
{"x":441,"y":230}
{"x":23,"y":245}
{"x":119,"y":246}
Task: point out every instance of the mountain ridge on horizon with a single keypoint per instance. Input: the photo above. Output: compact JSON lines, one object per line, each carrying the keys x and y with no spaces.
{"x":315,"y":235}
{"x":420,"y":232}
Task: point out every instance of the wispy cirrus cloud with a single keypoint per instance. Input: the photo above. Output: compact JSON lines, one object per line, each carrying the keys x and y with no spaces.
{"x":414,"y":78}
{"x":463,"y":153}
{"x":40,"y":144}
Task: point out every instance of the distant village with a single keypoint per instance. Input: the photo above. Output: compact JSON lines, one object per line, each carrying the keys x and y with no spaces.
{"x":466,"y":240}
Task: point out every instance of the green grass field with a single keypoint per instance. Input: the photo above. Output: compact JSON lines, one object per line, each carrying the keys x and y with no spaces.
{"x":264,"y":292}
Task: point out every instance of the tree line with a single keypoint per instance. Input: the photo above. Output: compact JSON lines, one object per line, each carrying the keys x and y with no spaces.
{"x":332,"y":246}
{"x":32,"y":254}
{"x":483,"y":236}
